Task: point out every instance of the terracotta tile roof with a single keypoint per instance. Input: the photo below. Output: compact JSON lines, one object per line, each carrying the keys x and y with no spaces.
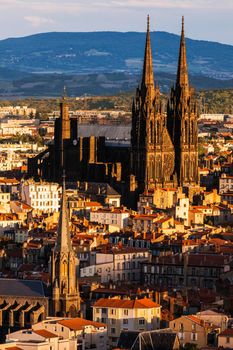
{"x":44,"y":333}
{"x":195,"y":319}
{"x":92,"y":204}
{"x":76,"y":324}
{"x":145,"y":217}
{"x":12,"y":347}
{"x":227,"y":333}
{"x":9,"y":181}
{"x":126,"y":304}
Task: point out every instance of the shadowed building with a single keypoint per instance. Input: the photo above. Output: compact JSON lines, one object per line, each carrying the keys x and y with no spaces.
{"x":163,"y":150}
{"x":22,"y":303}
{"x":26,"y":302}
{"x":152,"y":152}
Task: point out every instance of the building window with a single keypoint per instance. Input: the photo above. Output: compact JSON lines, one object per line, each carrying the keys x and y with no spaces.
{"x":113,"y":330}
{"x":193,"y":336}
{"x":228,"y":340}
{"x":125,"y":321}
{"x":126,"y":312}
{"x":141,"y":322}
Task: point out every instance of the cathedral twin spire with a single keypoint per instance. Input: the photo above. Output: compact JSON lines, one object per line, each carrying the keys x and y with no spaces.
{"x":148,"y":74}
{"x":182,"y":81}
{"x":164,"y":147}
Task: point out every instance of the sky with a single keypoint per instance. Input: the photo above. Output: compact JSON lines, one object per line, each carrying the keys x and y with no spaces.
{"x":204,"y":19}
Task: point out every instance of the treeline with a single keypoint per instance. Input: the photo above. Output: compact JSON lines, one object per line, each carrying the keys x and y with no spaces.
{"x":209,"y":101}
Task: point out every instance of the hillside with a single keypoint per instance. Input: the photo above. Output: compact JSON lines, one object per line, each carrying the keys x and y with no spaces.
{"x":105,"y":63}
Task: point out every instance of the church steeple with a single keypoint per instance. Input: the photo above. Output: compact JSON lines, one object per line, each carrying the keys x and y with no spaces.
{"x":182,"y":82}
{"x":63,"y":244}
{"x":182,"y":119}
{"x":148,"y":75}
{"x":65,"y":293}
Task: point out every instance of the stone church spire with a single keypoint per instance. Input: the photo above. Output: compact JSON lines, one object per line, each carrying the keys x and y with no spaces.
{"x":63,"y":244}
{"x":182,"y":81}
{"x":65,"y":293}
{"x":148,"y":75}
{"x":182,"y":116}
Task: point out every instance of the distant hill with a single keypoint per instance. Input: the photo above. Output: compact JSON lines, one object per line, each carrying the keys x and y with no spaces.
{"x":105,"y":62}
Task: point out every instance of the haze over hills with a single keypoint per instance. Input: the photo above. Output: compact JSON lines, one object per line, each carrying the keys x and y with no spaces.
{"x":105,"y":63}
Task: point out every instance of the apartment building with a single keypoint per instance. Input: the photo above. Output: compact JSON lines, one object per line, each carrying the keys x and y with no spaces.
{"x":131,"y":315}
{"x":41,"y":196}
{"x":192,"y":270}
{"x":115,"y":217}
{"x":117,"y":264}
{"x":192,"y":330}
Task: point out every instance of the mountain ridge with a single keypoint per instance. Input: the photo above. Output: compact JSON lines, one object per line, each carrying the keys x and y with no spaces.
{"x":64,"y":55}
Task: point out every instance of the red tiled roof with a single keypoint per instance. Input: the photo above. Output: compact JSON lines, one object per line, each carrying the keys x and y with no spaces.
{"x":126,"y":304}
{"x":195,"y":319}
{"x":227,"y":333}
{"x":44,"y":333}
{"x":79,"y":323}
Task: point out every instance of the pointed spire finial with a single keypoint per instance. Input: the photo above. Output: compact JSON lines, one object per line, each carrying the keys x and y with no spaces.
{"x":148,"y":23}
{"x":182,"y":72}
{"x":63,"y":240}
{"x":148,"y":75}
{"x":64,"y":92}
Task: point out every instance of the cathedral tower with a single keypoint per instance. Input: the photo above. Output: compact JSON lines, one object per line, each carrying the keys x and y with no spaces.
{"x":65,"y":293}
{"x":152,"y":152}
{"x":182,"y":122}
{"x":62,"y":138}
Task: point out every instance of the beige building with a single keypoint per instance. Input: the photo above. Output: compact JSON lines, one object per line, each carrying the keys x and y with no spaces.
{"x":191,"y":329}
{"x":182,"y":210}
{"x":88,"y":334}
{"x":116,"y":218}
{"x":40,"y":339}
{"x":117,"y":264}
{"x":131,"y":315}
{"x":225,"y":339}
{"x":196,"y":217}
{"x":215,"y":318}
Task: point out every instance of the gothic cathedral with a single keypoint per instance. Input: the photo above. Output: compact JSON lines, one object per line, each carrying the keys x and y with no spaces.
{"x":164,"y":143}
{"x":164,"y":146}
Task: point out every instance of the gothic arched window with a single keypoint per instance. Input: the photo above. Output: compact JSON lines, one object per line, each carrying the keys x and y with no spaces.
{"x":186,"y":131}
{"x":151,"y":132}
{"x":157,"y":132}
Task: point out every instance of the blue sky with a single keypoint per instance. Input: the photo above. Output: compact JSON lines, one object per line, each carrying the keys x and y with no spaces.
{"x":205,"y":19}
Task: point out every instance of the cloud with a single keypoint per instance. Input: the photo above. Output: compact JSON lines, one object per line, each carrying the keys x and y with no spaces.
{"x":37,"y":21}
{"x":70,"y":6}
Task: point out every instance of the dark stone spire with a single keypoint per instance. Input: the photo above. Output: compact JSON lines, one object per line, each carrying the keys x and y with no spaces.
{"x":63,"y":240}
{"x":182,"y":82}
{"x":148,"y":75}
